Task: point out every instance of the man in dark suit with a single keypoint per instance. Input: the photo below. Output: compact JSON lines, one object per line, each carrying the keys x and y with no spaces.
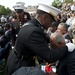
{"x":66,"y":65}
{"x":63,"y":29}
{"x":32,"y":41}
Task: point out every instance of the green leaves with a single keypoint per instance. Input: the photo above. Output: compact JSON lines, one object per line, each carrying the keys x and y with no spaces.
{"x":4,"y":11}
{"x":68,"y":1}
{"x":57,"y":3}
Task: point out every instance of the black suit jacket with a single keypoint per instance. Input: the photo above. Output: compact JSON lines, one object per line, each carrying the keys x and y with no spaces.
{"x":66,"y":65}
{"x":68,"y":37}
{"x":32,"y":41}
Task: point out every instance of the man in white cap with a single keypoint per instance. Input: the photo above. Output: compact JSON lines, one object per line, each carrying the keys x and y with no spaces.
{"x":32,"y":41}
{"x":22,"y":17}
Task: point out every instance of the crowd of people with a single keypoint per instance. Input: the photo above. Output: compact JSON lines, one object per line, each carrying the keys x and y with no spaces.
{"x":46,"y":39}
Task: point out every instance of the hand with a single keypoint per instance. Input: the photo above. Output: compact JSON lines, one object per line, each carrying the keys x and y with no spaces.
{"x":48,"y":68}
{"x":70,"y":46}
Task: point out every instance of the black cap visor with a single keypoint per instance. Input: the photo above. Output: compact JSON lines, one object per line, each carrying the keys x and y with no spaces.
{"x":18,"y":10}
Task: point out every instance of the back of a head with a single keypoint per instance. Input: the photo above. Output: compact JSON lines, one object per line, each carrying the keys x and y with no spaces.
{"x":8,"y":34}
{"x":54,"y":24}
{"x":57,"y":37}
{"x":7,"y":25}
{"x":64,"y":18}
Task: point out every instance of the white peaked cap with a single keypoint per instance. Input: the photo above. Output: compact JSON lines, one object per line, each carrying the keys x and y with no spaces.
{"x":49,"y":9}
{"x":19,"y":6}
{"x":22,"y":3}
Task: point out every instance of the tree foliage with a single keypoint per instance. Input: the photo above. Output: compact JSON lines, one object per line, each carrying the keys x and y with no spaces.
{"x":54,"y":4}
{"x":4,"y":11}
{"x":57,"y":3}
{"x":68,"y":1}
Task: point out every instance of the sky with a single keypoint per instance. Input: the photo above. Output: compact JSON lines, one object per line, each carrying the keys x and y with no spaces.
{"x":11,"y":3}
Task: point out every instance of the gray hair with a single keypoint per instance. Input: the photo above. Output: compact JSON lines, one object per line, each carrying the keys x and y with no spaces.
{"x":57,"y":37}
{"x":64,"y":25}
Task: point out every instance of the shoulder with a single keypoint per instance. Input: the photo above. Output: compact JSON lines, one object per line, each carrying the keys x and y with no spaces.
{"x":71,"y":55}
{"x":32,"y":25}
{"x":31,"y":28}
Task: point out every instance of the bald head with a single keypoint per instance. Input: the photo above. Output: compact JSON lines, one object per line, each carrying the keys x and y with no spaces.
{"x":57,"y":40}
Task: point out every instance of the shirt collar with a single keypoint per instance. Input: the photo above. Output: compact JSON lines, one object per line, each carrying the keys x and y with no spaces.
{"x":65,"y":35}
